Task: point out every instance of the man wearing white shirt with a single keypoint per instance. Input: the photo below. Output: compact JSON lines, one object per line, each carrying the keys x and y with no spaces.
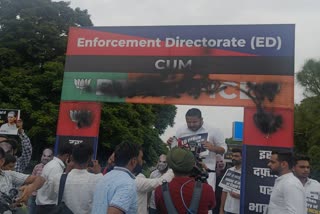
{"x":230,"y":200}
{"x":288,"y":194}
{"x":215,"y":142}
{"x":80,"y":184}
{"x":301,"y":169}
{"x":161,"y":168}
{"x":46,"y":197}
{"x":146,"y":185}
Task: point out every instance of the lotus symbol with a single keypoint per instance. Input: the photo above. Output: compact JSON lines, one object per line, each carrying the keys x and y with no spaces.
{"x":82,"y":84}
{"x":83,"y":118}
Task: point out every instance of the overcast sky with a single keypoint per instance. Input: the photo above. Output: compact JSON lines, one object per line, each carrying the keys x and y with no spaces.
{"x":304,"y":14}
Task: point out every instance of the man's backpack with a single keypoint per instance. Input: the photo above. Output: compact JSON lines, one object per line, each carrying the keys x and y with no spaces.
{"x":194,"y":205}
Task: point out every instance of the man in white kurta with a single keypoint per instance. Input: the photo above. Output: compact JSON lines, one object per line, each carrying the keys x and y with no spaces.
{"x":230,"y":199}
{"x":146,"y":185}
{"x":80,"y":184}
{"x":301,"y":169}
{"x":46,"y":197}
{"x":161,"y":168}
{"x":288,"y":194}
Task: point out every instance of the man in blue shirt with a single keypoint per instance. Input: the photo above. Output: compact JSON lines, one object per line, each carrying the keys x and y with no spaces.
{"x":116,"y":191}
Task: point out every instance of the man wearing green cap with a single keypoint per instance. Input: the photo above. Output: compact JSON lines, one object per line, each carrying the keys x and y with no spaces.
{"x":181,"y":188}
{"x":214,"y":142}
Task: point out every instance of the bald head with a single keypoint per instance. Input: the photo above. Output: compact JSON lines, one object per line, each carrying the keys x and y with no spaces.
{"x":47,"y":155}
{"x":162,"y":165}
{"x":220,"y":162}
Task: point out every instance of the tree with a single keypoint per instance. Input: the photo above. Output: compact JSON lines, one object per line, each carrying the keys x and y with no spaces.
{"x":309,"y":77}
{"x":306,"y":129}
{"x":307,"y":115}
{"x":138,"y":123}
{"x":33,"y":39}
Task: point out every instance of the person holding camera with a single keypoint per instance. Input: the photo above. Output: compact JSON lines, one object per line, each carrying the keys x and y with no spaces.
{"x":215,"y":142}
{"x":26,"y":183}
{"x":183,"y":194}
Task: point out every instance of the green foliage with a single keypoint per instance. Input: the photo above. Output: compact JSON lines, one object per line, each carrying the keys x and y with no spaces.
{"x":307,"y":123}
{"x":306,"y":131}
{"x":33,"y":39}
{"x":309,"y":77}
{"x":230,"y":141}
{"x":307,"y":115}
{"x":313,"y":153}
{"x":134,"y":122}
{"x":164,"y":116}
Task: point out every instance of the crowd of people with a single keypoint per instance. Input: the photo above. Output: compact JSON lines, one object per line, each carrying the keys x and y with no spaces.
{"x":172,"y":187}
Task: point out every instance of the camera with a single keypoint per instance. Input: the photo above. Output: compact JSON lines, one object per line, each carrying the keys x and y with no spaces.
{"x":90,"y":164}
{"x":199,"y":172}
{"x":7,"y":200}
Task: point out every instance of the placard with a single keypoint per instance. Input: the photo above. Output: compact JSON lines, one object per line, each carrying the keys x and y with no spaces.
{"x":231,"y":181}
